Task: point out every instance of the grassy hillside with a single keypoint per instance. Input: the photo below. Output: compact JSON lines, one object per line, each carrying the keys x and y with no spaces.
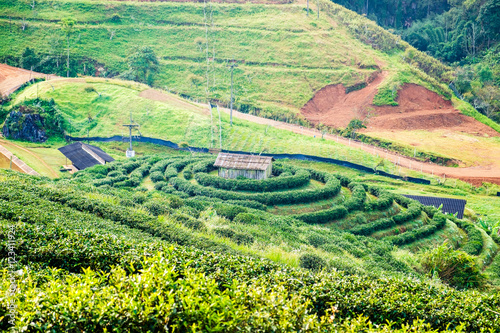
{"x":159,"y":253}
{"x":283,"y":55}
{"x":173,"y":119}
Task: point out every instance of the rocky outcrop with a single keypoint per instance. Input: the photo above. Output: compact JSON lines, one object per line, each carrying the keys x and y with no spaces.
{"x":22,"y":126}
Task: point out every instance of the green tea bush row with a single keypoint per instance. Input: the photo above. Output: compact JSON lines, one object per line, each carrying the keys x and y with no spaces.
{"x":300,"y":178}
{"x":438,"y":222}
{"x":209,"y":298}
{"x":31,"y":205}
{"x":323,"y":216}
{"x":204,"y":166}
{"x":384,"y":199}
{"x":160,"y":166}
{"x":156,"y":177}
{"x":187,"y":172}
{"x":474,"y":244}
{"x":244,"y":203}
{"x":414,"y":210}
{"x":74,"y":247}
{"x":331,"y":189}
{"x":357,"y":199}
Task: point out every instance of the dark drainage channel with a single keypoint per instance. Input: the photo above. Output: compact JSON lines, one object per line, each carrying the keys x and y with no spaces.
{"x":301,"y":157}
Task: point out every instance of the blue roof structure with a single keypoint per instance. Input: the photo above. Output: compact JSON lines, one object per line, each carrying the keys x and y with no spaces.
{"x":450,"y":206}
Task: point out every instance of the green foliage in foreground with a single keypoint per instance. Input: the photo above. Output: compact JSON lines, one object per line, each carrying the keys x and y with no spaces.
{"x":106,"y":257}
{"x":457,"y":268}
{"x":188,"y":289}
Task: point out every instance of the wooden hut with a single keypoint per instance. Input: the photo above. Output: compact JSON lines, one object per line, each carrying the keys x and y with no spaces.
{"x":248,"y":166}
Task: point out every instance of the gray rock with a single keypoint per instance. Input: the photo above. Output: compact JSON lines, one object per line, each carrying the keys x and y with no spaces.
{"x":21,"y":126}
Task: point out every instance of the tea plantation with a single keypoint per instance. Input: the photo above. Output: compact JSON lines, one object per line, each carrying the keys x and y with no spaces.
{"x":162,"y":244}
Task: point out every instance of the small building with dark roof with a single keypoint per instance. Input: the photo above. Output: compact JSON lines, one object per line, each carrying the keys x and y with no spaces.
{"x":248,"y":166}
{"x":451,"y":206}
{"x":84,"y":156}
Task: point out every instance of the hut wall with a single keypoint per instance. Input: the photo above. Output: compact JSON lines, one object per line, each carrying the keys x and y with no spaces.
{"x":251,"y":174}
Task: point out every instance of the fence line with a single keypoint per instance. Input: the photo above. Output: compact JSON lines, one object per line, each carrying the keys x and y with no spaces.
{"x":302,"y":157}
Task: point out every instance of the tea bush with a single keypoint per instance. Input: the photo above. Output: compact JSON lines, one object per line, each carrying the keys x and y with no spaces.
{"x":456,"y":268}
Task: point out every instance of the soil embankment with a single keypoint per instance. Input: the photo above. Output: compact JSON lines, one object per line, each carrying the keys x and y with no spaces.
{"x":11,"y":78}
{"x":418,"y":109}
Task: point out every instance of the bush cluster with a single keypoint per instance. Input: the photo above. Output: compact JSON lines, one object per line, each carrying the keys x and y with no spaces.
{"x":331,"y":188}
{"x":384,"y":201}
{"x":438,"y":222}
{"x":357,"y":199}
{"x":456,"y":268}
{"x":323,"y":216}
{"x":300,"y":178}
{"x":414,"y":210}
{"x":474,"y":244}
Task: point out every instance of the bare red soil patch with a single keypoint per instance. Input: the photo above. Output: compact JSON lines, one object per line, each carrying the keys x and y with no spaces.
{"x":11,"y":78}
{"x":419,"y":108}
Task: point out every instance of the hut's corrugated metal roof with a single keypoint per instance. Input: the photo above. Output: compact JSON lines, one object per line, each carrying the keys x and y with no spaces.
{"x":78,"y":153}
{"x":243,"y":162}
{"x":451,"y":206}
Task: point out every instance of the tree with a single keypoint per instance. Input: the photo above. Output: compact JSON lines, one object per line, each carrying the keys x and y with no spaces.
{"x":489,"y":15}
{"x":143,"y":65}
{"x":353,"y":126}
{"x":29,"y":59}
{"x":67,"y":25}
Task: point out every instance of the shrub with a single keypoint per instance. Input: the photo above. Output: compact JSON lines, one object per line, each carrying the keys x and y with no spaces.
{"x":317,"y":240}
{"x":331,"y":188}
{"x":159,"y":185}
{"x":456,"y":268}
{"x":312,"y":262}
{"x":246,"y":218}
{"x":358,"y":198}
{"x":189,"y":221}
{"x":156,"y":177}
{"x":242,"y":238}
{"x":156,"y":208}
{"x":438,"y":222}
{"x":139,"y":198}
{"x":384,"y":201}
{"x":89,"y":89}
{"x":224,"y":232}
{"x":474,"y":244}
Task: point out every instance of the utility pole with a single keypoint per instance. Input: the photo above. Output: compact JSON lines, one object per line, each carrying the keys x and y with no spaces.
{"x":130,"y":151}
{"x":232,"y":66}
{"x":211,"y":125}
{"x":220,"y":128}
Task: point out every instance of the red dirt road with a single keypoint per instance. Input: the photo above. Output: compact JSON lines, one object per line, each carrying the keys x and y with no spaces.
{"x":11,"y":78}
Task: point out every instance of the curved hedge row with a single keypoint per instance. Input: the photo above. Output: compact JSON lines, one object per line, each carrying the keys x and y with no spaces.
{"x":414,"y":210}
{"x":204,"y":166}
{"x":331,"y":189}
{"x":384,"y":201}
{"x":300,"y":178}
{"x":438,"y":222}
{"x":323,"y":216}
{"x":357,"y":199}
{"x":474,"y":244}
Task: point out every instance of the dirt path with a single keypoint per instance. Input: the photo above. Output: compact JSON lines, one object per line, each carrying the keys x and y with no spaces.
{"x":474,"y":175}
{"x":7,"y":143}
{"x":11,"y":78}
